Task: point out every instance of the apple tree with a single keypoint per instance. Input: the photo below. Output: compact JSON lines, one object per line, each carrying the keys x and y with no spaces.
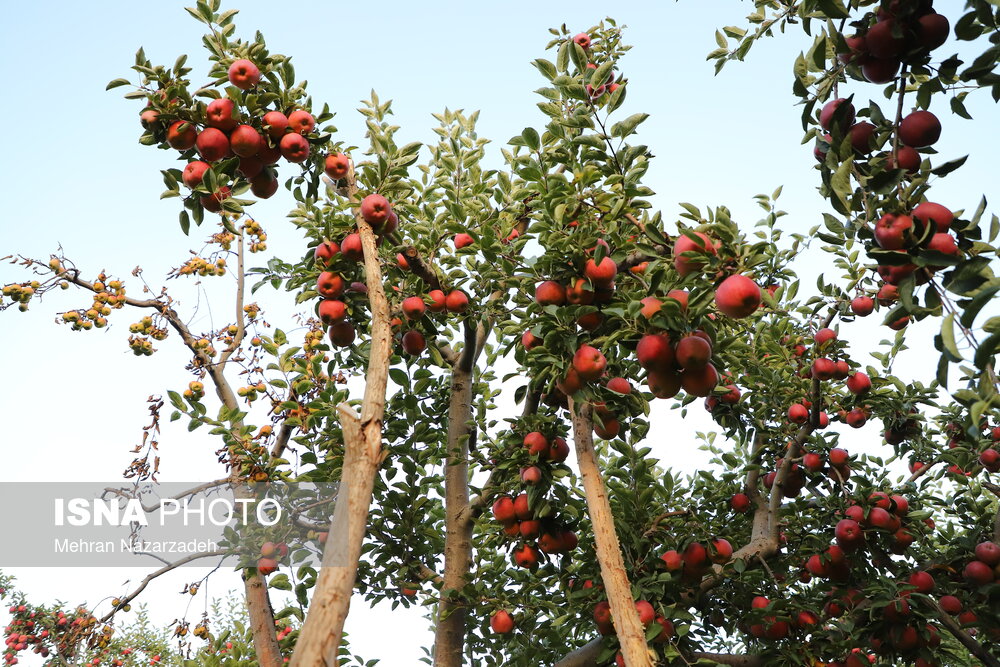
{"x":452,"y":291}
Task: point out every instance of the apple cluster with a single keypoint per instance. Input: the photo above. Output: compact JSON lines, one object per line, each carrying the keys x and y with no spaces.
{"x":271,"y":553}
{"x":222,"y":131}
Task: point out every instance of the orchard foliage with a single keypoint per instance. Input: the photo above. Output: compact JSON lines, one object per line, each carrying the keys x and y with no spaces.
{"x":553,"y":277}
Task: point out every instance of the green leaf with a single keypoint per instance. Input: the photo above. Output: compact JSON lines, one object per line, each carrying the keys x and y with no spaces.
{"x":627,"y":126}
{"x":531,"y":140}
{"x":115,"y":83}
{"x":834,"y":9}
{"x":948,"y":338}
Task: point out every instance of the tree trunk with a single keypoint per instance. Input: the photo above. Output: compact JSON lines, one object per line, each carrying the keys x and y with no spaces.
{"x":449,"y":640}
{"x":630,"y":632}
{"x":321,"y":634}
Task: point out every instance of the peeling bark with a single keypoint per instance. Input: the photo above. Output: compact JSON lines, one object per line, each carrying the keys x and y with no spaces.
{"x":609,"y":555}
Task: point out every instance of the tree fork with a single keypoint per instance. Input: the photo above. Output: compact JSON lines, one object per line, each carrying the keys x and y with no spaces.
{"x":609,"y":554}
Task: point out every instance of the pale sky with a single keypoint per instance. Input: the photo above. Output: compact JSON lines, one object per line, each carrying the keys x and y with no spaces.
{"x":74,"y":403}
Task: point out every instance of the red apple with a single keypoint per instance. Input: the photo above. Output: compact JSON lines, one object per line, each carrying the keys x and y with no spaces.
{"x":245,"y":141}
{"x":928,"y":212}
{"x":692,"y":352}
{"x":601,"y":274}
{"x":336,"y":166}
{"x":881,"y":42}
{"x":264,"y":184}
{"x":457,"y":301}
{"x":859,"y":383}
{"x":920,"y":129}
{"x":301,"y":121}
{"x":700,"y":382}
{"x":276,"y":124}
{"x":932,"y":30}
{"x":880,"y":71}
{"x":737,"y":296}
{"x":891,"y":231}
{"x":862,"y":306}
{"x":503,"y":510}
{"x":989,"y":553}
{"x":350,"y":247}
{"x":798,"y":413}
{"x":193,"y":173}
{"x":463,"y":241}
{"x":332,"y":310}
{"x":845,"y":117}
{"x":740,"y":502}
{"x":375,"y":210}
{"x":683,"y":244}
{"x":294,"y":148}
{"x":325,"y":251}
{"x":221,"y":114}
{"x":501,"y":622}
{"x":862,"y":137}
{"x":589,"y":363}
{"x":550,"y":293}
{"x":663,"y":383}
{"x":438,"y":301}
{"x":266,"y":566}
{"x":330,"y":285}
{"x":244,"y":74}
{"x":527,"y":556}
{"x":212,"y":143}
{"x":978,"y":573}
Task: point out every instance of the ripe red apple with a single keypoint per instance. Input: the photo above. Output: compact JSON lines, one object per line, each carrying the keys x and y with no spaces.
{"x":550,"y":293}
{"x":737,"y":296}
{"x":589,"y":363}
{"x":932,"y":30}
{"x":336,"y":166}
{"x":700,"y":382}
{"x":530,"y":340}
{"x":891,"y":231}
{"x":438,"y":301}
{"x":294,"y":148}
{"x":823,"y":368}
{"x":522,"y":509}
{"x":862,"y":306}
{"x":351,"y":248}
{"x":798,"y":413}
{"x":249,"y":167}
{"x":812,"y":461}
{"x":602,"y":617}
{"x":579,"y":294}
{"x":375,"y":210}
{"x":672,"y":560}
{"x":881,"y":42}
{"x":332,"y":310}
{"x":583,"y":39}
{"x":990,"y":459}
{"x":536,"y":443}
{"x":740,"y":502}
{"x":212,"y":143}
{"x":501,"y":622}
{"x":855,"y":48}
{"x":862,"y":137}
{"x":301,"y":121}
{"x":213,"y":202}
{"x":193,"y":173}
{"x":663,"y":383}
{"x":944,"y":243}
{"x":221,"y":114}
{"x":266,"y":566}
{"x":978,"y":573}
{"x":619,"y":386}
{"x":325,"y":251}
{"x":503,"y":510}
{"x":276,"y":124}
{"x":856,"y":418}
{"x":951,"y":604}
{"x":923,"y":581}
{"x":849,"y":534}
{"x":342,"y":334}
{"x":330,"y":285}
{"x":646,"y":612}
{"x":838,"y":457}
{"x":905,"y":158}
{"x":888,"y":294}
{"x":989,"y":553}
{"x":858,"y":383}
{"x":531,"y":475}
{"x":601,"y":274}
{"x":695,"y":557}
{"x":692,"y":352}
{"x":413,"y":307}
{"x":683,"y":244}
{"x":457,"y":301}
{"x":920,"y":129}
{"x":264,"y":184}
{"x":269,"y":155}
{"x":879,"y":70}
{"x":245,"y":141}
{"x":824,"y":335}
{"x":680,"y":296}
{"x":722,"y":550}
{"x":559,"y":452}
{"x":244,"y":74}
{"x":463,"y":241}
{"x":527,"y":556}
{"x":846,"y":115}
{"x":928,"y":212}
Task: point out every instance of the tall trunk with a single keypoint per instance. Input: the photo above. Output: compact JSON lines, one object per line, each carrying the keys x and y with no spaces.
{"x":629,"y":629}
{"x":453,"y":610}
{"x":265,"y":641}
{"x":321,"y":634}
